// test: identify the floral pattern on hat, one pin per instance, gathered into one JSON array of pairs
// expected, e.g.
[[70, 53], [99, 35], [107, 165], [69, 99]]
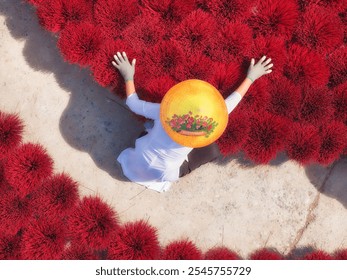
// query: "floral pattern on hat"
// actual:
[[192, 125]]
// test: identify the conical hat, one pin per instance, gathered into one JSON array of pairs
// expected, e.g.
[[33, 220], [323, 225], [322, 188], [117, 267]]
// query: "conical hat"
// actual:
[[194, 113]]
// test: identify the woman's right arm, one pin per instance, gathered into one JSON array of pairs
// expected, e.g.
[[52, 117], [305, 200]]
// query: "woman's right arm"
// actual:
[[254, 72]]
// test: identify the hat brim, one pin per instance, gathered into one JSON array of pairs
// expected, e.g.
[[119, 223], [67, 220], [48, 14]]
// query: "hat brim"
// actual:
[[193, 113]]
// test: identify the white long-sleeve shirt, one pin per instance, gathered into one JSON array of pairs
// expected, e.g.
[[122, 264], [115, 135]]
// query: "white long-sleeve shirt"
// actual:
[[156, 160]]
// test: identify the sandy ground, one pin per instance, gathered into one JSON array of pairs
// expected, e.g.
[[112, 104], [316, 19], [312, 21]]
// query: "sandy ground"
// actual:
[[229, 202]]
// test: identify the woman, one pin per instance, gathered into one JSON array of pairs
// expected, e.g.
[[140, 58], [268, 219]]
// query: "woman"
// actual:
[[157, 160]]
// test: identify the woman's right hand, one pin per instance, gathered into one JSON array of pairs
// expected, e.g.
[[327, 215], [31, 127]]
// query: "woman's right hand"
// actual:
[[261, 68]]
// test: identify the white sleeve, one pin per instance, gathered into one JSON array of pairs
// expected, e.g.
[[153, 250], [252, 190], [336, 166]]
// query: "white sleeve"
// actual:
[[147, 109], [232, 100]]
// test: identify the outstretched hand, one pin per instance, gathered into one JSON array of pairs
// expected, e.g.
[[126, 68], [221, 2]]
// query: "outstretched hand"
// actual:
[[261, 68], [122, 63]]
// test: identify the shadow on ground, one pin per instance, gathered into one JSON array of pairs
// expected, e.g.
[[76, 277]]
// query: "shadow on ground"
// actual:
[[300, 252], [335, 186], [99, 123], [95, 120]]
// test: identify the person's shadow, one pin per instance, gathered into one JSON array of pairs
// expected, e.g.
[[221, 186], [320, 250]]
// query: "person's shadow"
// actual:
[[95, 120], [98, 122]]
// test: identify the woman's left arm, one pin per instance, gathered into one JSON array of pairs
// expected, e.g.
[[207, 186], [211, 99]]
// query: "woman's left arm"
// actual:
[[147, 109], [127, 71]]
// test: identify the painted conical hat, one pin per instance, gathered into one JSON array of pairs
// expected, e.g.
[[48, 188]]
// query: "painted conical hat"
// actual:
[[194, 113]]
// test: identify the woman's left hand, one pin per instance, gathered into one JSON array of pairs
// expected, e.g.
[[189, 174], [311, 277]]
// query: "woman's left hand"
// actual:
[[122, 63]]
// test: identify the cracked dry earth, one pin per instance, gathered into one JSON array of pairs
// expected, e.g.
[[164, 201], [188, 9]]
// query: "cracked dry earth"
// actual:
[[229, 202]]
